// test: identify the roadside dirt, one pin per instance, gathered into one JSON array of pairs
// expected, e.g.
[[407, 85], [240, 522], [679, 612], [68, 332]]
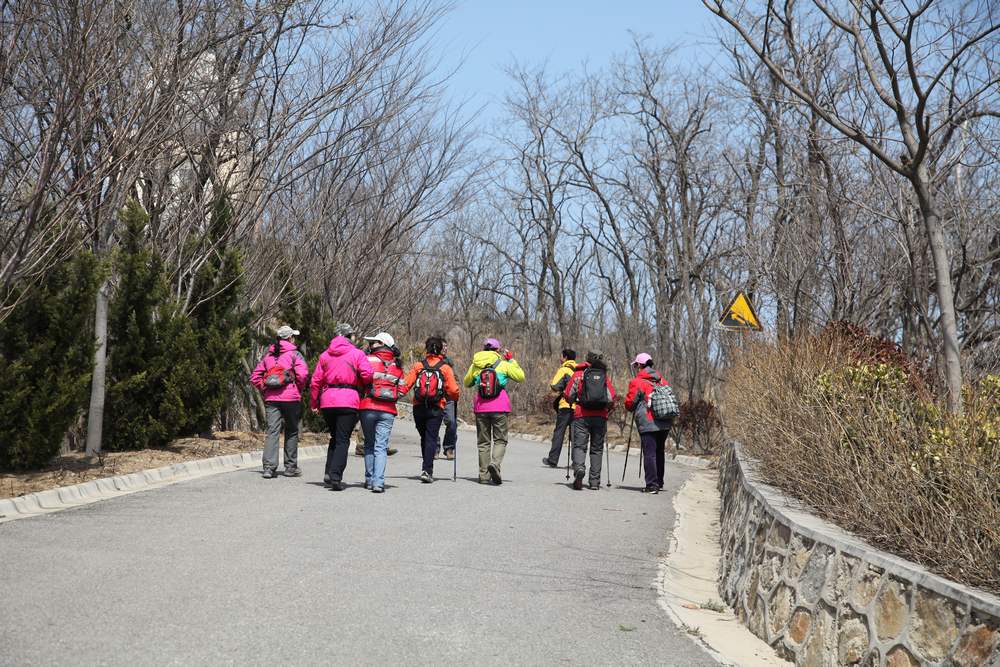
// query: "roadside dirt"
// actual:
[[75, 468]]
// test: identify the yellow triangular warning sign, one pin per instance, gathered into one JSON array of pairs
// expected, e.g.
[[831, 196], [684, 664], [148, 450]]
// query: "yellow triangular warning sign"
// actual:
[[739, 315]]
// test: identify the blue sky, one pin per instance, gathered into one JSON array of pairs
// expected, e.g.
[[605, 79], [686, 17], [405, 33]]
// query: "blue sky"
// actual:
[[493, 33]]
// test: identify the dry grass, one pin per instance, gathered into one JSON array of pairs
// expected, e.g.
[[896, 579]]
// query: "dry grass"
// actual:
[[863, 446], [76, 468]]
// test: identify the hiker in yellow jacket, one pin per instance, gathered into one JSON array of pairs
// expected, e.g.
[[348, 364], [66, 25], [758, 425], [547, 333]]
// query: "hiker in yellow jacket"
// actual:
[[491, 368], [564, 409]]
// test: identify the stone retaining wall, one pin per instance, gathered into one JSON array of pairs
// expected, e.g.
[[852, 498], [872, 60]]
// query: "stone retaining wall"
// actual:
[[820, 596]]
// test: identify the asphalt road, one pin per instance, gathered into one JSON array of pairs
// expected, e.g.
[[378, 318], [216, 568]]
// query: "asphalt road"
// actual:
[[235, 569]]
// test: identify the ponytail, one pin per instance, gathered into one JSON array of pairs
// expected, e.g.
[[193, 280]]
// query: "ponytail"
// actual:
[[276, 349]]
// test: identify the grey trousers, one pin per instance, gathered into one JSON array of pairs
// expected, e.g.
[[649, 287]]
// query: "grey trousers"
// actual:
[[282, 415], [491, 435], [594, 430]]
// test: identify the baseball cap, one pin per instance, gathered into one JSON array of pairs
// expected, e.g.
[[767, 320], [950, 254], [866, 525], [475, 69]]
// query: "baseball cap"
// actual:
[[492, 344], [343, 329], [286, 331], [382, 337], [641, 359]]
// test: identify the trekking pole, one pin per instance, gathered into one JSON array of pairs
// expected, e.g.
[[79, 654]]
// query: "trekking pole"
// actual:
[[607, 453], [569, 456], [628, 446]]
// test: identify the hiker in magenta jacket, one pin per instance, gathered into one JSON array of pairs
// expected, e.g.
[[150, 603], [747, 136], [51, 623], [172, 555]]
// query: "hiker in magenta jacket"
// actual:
[[492, 414], [282, 404], [340, 376]]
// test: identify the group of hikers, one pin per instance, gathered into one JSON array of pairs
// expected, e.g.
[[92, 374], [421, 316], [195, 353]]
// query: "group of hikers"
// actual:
[[348, 385]]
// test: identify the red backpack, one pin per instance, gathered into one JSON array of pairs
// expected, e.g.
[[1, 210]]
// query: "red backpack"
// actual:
[[277, 375], [385, 385], [429, 387], [490, 385]]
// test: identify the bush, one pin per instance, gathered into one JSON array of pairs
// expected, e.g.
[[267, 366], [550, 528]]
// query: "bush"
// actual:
[[698, 424], [46, 358], [149, 347], [858, 439]]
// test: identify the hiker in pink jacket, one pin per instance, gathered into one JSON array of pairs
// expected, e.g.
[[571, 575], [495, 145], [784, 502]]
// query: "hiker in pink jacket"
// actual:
[[280, 377], [341, 374]]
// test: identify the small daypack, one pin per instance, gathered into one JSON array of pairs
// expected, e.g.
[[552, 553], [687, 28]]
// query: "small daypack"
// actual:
[[662, 401], [593, 392], [385, 385], [429, 387], [277, 376], [490, 384]]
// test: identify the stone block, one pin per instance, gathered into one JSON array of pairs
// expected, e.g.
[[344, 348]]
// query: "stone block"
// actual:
[[818, 651], [976, 646], [798, 556], [839, 585], [892, 609], [852, 639], [900, 657], [798, 627], [779, 536], [936, 623], [867, 584], [770, 571], [813, 577], [779, 609]]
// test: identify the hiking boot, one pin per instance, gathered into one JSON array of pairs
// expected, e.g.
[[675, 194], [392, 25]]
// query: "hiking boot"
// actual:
[[270, 473], [450, 454], [391, 451], [494, 472], [326, 479], [653, 488], [548, 462], [337, 486], [378, 489], [426, 477], [578, 479], [594, 486], [292, 472]]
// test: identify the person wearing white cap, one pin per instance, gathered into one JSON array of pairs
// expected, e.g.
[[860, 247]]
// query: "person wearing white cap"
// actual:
[[280, 377], [653, 427], [378, 406]]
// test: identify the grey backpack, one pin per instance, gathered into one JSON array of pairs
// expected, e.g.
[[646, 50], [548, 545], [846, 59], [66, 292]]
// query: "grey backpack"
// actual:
[[662, 401]]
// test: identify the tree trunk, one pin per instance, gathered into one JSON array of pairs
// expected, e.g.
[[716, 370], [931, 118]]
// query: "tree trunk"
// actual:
[[95, 416], [945, 293]]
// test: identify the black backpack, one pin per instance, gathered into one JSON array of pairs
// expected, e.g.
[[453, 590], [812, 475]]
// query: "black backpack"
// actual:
[[593, 391]]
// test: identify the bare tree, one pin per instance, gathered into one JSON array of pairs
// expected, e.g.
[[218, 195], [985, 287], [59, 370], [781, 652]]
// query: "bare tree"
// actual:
[[917, 76]]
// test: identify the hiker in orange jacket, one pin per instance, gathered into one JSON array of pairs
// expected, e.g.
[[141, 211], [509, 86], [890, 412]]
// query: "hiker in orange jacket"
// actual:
[[432, 383]]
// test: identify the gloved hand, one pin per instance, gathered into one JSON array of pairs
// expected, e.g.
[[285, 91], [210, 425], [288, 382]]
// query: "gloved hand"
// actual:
[[508, 355]]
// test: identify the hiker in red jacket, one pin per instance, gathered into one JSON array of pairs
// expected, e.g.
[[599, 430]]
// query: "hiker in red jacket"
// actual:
[[340, 376], [280, 377], [378, 407], [593, 398], [652, 432]]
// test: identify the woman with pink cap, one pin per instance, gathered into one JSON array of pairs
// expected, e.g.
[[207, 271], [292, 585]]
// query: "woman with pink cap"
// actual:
[[491, 368], [652, 432]]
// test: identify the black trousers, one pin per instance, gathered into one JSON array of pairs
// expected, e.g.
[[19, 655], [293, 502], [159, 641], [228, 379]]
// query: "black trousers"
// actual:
[[563, 418], [428, 420], [340, 422]]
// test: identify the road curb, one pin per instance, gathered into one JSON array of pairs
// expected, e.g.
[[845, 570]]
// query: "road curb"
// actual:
[[85, 493]]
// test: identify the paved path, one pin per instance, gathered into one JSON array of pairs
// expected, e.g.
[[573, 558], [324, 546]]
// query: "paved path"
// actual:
[[234, 569]]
